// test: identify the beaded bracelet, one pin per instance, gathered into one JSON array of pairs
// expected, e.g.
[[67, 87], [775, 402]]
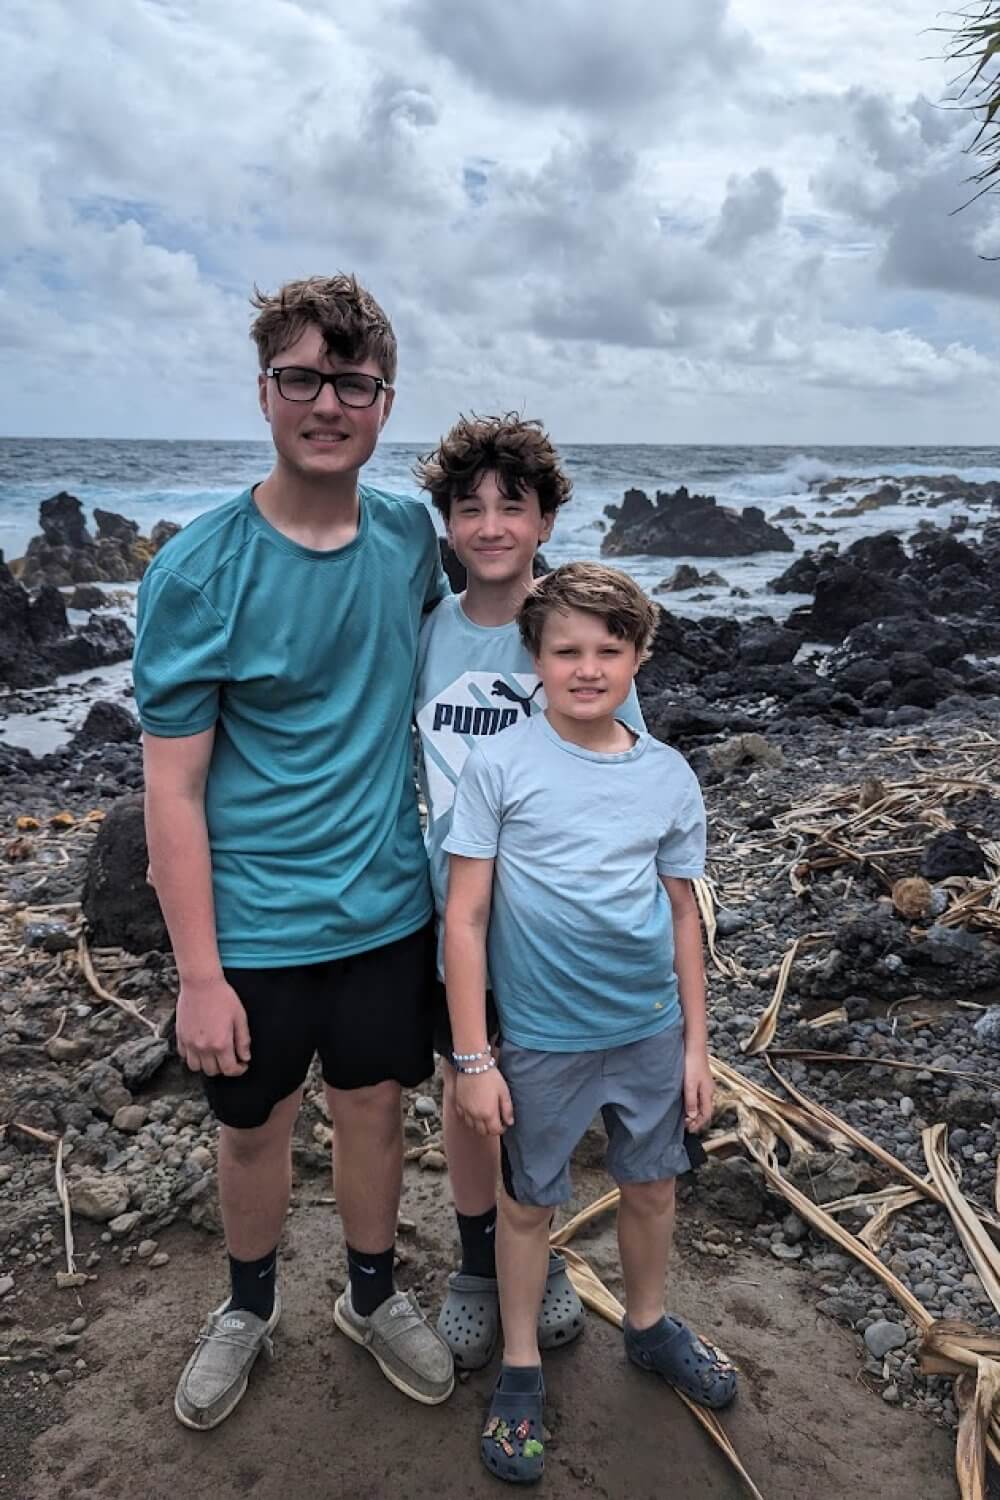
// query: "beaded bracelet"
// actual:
[[459, 1057], [464, 1068]]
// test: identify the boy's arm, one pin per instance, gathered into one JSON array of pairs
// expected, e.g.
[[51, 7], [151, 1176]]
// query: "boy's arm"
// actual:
[[483, 1098], [212, 1032], [689, 967]]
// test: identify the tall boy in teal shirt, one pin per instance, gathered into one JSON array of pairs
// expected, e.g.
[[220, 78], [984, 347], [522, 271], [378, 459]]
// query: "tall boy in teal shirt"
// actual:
[[274, 675]]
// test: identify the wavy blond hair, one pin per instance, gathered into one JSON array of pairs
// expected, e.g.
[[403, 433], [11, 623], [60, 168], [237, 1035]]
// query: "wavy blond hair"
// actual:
[[611, 595]]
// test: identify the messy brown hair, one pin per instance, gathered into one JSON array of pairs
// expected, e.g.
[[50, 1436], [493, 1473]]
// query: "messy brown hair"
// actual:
[[517, 449], [353, 325], [613, 596]]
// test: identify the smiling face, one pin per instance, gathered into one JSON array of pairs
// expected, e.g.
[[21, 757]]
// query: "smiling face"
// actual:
[[322, 438], [586, 671], [495, 535]]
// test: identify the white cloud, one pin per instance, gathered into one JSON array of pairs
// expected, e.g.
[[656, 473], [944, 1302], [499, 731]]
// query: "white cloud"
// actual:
[[706, 220]]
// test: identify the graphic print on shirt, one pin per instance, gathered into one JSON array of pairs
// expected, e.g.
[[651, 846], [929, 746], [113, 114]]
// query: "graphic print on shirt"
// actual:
[[475, 705]]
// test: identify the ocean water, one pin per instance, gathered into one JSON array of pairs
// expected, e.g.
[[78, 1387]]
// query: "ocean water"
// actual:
[[147, 481]]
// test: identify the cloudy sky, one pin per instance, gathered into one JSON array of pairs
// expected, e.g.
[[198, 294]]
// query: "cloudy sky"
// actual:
[[694, 221]]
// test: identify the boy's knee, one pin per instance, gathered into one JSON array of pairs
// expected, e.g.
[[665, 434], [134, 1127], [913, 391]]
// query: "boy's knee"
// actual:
[[649, 1198], [372, 1112], [525, 1218]]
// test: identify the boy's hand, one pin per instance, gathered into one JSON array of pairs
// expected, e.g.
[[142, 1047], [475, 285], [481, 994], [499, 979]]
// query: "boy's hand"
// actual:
[[699, 1088], [213, 1035], [483, 1101]]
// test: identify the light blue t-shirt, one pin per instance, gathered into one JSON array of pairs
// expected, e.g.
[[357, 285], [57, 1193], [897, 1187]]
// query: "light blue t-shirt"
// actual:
[[473, 681], [581, 952], [305, 663]]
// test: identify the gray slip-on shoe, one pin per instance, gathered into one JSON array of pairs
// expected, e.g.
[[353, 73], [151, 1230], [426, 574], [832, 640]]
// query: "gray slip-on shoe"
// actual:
[[215, 1377], [408, 1351]]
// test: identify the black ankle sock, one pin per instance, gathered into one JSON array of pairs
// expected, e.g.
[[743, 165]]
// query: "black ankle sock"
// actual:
[[371, 1279], [479, 1248], [253, 1284], [520, 1380]]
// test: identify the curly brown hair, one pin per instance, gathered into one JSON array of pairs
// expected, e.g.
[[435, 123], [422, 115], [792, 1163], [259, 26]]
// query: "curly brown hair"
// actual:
[[517, 449], [353, 325], [615, 597]]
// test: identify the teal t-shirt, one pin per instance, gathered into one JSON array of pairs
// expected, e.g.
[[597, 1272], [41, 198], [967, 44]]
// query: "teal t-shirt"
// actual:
[[304, 662]]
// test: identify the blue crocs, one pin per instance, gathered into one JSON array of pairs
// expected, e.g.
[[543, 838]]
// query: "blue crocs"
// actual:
[[512, 1445], [696, 1368]]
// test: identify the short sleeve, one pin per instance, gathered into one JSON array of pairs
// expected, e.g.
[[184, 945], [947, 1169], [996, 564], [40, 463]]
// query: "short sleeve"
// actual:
[[477, 812], [438, 587], [180, 660], [681, 851]]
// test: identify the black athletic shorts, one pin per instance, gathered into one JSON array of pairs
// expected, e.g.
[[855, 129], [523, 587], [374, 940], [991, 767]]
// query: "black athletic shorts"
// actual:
[[368, 1016], [443, 1044]]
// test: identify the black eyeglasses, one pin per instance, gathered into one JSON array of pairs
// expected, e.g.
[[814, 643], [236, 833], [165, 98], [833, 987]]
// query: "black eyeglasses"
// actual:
[[296, 383]]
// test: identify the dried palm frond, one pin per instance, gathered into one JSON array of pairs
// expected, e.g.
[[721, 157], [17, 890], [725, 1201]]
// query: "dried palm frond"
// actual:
[[763, 1033], [979, 1247], [705, 896]]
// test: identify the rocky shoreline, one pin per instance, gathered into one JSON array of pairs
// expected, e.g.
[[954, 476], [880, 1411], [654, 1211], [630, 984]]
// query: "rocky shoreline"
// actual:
[[854, 803]]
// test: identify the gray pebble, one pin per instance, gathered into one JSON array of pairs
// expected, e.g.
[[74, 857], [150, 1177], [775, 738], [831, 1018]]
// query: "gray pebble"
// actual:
[[883, 1336]]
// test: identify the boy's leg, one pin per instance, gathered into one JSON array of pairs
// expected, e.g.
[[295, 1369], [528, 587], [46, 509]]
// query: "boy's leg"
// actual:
[[255, 1176], [256, 1111], [643, 1115], [554, 1095], [522, 1266], [473, 1159], [368, 1177], [375, 1040], [645, 1231]]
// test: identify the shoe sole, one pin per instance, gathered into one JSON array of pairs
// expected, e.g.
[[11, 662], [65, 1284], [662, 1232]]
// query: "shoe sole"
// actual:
[[408, 1390], [237, 1398]]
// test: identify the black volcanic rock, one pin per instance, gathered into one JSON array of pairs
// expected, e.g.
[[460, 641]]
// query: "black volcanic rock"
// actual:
[[47, 616], [114, 528], [682, 524], [65, 553], [952, 853], [764, 644], [108, 723], [62, 521], [97, 644], [21, 664], [120, 907]]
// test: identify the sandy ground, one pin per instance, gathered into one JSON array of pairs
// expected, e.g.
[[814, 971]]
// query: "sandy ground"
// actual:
[[321, 1421]]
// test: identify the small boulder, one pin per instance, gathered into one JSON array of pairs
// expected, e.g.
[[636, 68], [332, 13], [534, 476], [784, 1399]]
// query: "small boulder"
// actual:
[[139, 1059], [120, 906], [88, 596], [109, 723], [161, 534], [745, 747], [952, 853], [882, 1337], [99, 1198], [115, 528]]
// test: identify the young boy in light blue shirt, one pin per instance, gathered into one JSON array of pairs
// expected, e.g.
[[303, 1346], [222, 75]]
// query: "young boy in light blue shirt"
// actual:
[[573, 842], [498, 483]]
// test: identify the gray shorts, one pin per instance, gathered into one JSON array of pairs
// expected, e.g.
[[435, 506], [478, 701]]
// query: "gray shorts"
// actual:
[[639, 1090]]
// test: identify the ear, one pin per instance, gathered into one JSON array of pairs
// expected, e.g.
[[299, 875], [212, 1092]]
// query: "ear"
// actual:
[[262, 396], [388, 397], [545, 529]]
